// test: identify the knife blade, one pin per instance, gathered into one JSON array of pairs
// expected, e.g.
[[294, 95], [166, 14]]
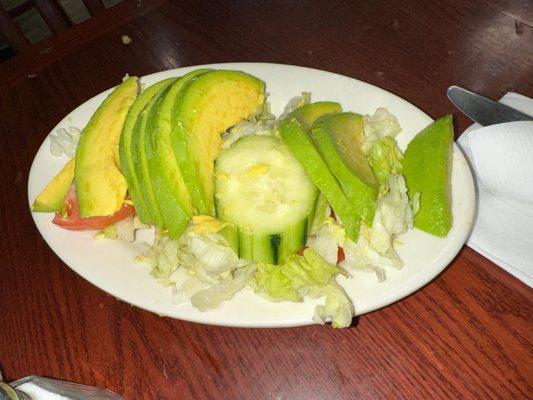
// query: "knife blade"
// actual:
[[482, 110]]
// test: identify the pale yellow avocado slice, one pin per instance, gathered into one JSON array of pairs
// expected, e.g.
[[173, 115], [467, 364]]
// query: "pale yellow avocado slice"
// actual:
[[100, 186], [52, 198]]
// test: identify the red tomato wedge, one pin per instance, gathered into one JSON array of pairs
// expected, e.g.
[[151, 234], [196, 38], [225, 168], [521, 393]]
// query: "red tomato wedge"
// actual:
[[69, 217], [340, 255]]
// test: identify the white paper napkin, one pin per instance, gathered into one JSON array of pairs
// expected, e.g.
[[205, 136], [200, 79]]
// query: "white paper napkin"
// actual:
[[501, 157]]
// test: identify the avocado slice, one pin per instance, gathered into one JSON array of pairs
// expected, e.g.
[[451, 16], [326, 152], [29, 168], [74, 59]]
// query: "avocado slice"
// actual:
[[297, 138], [142, 154], [339, 138], [52, 198], [309, 113], [171, 193], [100, 186], [427, 168], [126, 160], [204, 108]]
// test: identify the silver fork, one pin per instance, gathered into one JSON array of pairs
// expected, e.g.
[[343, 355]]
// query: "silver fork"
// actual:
[[73, 391]]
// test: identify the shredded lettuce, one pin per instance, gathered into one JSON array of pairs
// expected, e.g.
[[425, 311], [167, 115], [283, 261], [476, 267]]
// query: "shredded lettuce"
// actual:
[[212, 296], [307, 274], [211, 256], [337, 309], [294, 103], [108, 232], [395, 208], [321, 212], [293, 280], [360, 255], [272, 281], [379, 125], [263, 123], [125, 229], [385, 158], [187, 289], [65, 141], [375, 246], [164, 257], [216, 273], [327, 240]]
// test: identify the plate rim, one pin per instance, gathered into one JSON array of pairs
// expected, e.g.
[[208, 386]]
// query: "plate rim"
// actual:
[[405, 290]]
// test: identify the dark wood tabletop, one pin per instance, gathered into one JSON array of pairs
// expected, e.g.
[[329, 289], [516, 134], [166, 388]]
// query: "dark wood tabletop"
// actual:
[[466, 335]]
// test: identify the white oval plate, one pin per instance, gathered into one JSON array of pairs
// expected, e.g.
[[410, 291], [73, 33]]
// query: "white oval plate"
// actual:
[[110, 265]]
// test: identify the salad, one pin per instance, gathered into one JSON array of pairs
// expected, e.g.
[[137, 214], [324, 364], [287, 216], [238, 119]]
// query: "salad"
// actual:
[[240, 198]]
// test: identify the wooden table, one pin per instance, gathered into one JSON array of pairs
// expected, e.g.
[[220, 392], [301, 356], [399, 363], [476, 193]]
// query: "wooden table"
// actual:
[[466, 335]]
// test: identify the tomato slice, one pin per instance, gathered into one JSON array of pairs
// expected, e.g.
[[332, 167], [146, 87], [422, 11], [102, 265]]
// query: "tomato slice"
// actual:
[[340, 255], [69, 217]]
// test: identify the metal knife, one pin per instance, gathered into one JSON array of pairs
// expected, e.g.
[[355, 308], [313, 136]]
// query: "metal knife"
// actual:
[[482, 110]]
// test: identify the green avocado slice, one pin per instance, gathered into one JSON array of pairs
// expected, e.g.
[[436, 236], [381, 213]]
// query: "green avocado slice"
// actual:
[[339, 138], [207, 106], [427, 165], [126, 160], [171, 193], [140, 151], [297, 138], [309, 113]]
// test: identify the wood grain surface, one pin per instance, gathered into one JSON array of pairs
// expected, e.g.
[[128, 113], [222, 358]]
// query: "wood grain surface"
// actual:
[[466, 335]]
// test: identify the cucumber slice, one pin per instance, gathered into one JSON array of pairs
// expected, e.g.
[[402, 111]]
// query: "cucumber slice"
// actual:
[[262, 189], [270, 248]]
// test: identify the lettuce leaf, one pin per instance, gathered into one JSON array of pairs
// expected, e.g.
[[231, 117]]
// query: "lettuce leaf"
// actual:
[[337, 309], [307, 274], [375, 246], [272, 281], [322, 211], [395, 207], [360, 255], [212, 296], [381, 124], [294, 103], [327, 240], [216, 273], [264, 123], [385, 158]]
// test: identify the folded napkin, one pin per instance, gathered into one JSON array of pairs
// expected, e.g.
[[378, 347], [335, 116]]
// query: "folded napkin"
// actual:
[[501, 157]]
